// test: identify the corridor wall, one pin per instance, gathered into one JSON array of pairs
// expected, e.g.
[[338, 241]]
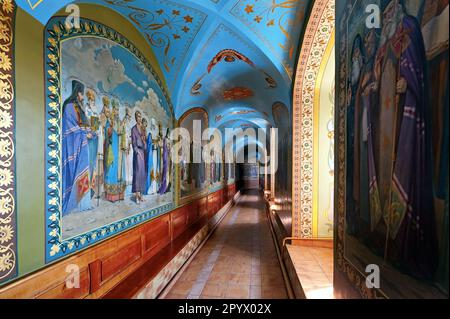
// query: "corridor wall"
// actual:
[[313, 128], [283, 173], [392, 149], [104, 217]]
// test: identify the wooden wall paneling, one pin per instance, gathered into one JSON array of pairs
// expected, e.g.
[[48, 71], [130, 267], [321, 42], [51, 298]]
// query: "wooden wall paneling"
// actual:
[[104, 266], [203, 206], [179, 219], [115, 263], [193, 212], [210, 206], [95, 272], [63, 291]]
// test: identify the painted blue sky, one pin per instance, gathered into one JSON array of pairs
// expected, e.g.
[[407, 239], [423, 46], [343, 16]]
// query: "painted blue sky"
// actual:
[[109, 69]]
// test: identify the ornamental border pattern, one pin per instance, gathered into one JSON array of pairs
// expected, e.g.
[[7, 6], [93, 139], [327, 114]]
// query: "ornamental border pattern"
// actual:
[[8, 226], [55, 246], [317, 35]]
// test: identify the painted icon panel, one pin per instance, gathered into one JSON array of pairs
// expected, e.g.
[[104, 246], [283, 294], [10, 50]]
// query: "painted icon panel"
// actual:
[[396, 143]]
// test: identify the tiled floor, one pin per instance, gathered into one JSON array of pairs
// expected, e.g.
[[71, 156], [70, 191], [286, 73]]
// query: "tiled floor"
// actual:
[[238, 261], [314, 267]]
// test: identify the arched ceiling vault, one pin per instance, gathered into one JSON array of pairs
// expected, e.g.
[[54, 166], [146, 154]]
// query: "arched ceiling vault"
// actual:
[[221, 55]]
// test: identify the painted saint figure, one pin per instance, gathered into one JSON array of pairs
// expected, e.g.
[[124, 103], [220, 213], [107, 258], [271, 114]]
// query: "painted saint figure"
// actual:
[[165, 165], [103, 118], [154, 152], [402, 148], [93, 121], [127, 149], [113, 185], [357, 62], [75, 153], [150, 184], [139, 148], [365, 187], [159, 155]]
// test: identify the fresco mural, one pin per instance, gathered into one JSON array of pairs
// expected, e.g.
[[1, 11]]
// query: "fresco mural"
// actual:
[[194, 177], [276, 22], [169, 27], [175, 30], [394, 101], [112, 135], [229, 73], [231, 56]]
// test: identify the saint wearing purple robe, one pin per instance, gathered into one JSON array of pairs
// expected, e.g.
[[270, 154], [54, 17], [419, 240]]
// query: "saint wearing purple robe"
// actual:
[[165, 165], [139, 149], [402, 149]]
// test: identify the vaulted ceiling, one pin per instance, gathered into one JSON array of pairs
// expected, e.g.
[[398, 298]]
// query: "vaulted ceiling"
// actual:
[[234, 58]]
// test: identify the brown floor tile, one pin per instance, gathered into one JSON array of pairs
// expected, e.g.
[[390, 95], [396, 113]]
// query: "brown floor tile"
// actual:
[[175, 296], [255, 292], [241, 279], [238, 291], [218, 277], [215, 290], [182, 287]]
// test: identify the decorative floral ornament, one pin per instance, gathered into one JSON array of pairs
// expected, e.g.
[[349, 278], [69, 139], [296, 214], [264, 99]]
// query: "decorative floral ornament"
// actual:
[[4, 32], [5, 205], [6, 261], [6, 177], [5, 148], [5, 90], [5, 62], [54, 250], [7, 6]]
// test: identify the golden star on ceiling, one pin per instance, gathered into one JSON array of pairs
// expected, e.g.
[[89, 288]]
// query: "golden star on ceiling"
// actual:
[[249, 8]]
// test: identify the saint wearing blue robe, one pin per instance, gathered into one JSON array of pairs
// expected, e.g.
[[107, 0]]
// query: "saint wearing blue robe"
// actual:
[[113, 187]]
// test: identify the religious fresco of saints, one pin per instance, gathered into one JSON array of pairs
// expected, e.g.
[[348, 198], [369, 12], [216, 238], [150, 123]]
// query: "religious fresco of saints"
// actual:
[[390, 192], [112, 170]]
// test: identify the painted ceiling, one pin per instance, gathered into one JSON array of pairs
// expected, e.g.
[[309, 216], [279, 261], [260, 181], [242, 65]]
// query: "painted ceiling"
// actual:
[[234, 58]]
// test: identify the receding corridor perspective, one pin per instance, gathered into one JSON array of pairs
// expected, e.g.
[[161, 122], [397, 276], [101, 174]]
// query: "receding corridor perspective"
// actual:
[[238, 261]]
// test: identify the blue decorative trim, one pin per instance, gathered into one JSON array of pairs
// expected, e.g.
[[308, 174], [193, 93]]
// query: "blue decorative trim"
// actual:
[[55, 246], [215, 188]]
